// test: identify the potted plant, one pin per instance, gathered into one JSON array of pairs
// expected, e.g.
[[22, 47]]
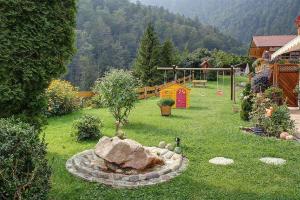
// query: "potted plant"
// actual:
[[297, 91], [165, 106]]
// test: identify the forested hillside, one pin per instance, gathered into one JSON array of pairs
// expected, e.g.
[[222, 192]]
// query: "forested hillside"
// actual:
[[109, 32], [239, 18]]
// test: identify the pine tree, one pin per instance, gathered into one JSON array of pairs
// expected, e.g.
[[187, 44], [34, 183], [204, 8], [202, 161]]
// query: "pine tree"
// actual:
[[148, 58], [167, 54]]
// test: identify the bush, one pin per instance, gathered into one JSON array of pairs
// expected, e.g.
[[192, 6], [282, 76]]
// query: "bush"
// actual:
[[24, 172], [258, 114], [118, 89], [278, 121], [62, 98], [260, 82], [247, 103], [37, 41], [166, 102], [275, 94], [212, 76], [246, 107], [247, 91], [97, 101], [87, 127]]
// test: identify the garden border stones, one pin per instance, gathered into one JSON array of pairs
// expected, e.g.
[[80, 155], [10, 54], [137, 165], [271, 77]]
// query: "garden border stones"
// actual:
[[84, 165]]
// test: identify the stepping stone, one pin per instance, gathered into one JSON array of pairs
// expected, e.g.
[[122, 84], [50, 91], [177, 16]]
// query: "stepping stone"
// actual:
[[273, 161], [221, 161]]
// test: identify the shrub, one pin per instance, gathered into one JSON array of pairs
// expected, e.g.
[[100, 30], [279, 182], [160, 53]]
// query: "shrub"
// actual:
[[260, 82], [62, 98], [37, 41], [118, 89], [246, 107], [247, 90], [275, 94], [24, 172], [277, 122], [97, 101], [166, 102], [87, 127], [297, 89], [247, 103], [258, 114]]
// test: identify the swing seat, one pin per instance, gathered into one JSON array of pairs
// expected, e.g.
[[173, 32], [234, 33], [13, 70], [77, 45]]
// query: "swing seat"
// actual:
[[220, 93]]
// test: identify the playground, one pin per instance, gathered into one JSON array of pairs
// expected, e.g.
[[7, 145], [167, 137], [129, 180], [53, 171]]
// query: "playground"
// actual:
[[207, 129]]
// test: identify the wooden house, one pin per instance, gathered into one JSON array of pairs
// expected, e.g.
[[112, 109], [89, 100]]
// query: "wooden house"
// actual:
[[179, 93], [281, 55]]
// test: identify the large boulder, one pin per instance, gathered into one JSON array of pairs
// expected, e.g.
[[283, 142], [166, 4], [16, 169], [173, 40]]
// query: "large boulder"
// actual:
[[126, 153]]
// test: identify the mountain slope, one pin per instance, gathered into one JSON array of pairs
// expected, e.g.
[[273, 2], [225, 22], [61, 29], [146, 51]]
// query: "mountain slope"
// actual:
[[109, 31], [239, 18]]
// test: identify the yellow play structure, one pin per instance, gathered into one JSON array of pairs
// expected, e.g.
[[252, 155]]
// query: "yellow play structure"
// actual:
[[179, 93]]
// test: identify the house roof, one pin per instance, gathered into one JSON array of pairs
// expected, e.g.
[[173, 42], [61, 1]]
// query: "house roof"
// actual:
[[272, 40], [174, 83]]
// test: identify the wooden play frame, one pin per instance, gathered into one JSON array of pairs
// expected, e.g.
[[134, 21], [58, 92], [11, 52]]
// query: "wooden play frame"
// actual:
[[231, 69]]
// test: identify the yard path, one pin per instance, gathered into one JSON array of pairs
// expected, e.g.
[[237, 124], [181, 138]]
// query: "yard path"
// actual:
[[295, 115]]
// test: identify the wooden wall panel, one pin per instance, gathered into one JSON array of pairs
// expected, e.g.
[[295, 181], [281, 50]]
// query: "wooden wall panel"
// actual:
[[288, 81]]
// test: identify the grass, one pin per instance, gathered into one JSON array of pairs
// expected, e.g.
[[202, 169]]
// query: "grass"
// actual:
[[208, 129]]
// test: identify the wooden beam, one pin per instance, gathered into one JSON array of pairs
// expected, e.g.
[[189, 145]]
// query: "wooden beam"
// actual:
[[231, 82], [199, 69]]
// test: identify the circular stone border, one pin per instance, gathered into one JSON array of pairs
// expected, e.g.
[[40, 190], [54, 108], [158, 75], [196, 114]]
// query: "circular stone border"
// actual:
[[82, 165]]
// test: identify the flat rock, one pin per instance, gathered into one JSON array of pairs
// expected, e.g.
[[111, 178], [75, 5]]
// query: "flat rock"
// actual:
[[221, 161], [273, 161], [126, 153]]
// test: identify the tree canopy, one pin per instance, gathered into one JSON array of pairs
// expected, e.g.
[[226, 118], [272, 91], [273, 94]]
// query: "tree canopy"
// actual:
[[109, 33], [36, 44], [238, 18]]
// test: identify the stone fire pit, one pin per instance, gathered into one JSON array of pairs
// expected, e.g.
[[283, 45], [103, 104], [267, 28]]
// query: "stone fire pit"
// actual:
[[126, 164]]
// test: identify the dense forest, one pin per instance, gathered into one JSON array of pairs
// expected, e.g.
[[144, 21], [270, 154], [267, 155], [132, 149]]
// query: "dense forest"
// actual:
[[109, 34], [239, 18]]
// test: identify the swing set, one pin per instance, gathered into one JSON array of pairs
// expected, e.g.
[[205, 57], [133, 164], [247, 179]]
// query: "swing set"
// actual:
[[220, 89]]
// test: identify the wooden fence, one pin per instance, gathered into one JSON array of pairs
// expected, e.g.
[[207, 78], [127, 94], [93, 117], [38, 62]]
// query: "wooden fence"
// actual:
[[143, 93]]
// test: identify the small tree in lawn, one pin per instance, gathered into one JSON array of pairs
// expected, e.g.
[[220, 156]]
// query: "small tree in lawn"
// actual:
[[118, 89]]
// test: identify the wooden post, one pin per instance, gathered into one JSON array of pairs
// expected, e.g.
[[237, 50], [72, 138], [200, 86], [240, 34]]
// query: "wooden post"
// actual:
[[145, 92], [231, 82], [184, 77], [193, 75], [234, 95], [175, 73]]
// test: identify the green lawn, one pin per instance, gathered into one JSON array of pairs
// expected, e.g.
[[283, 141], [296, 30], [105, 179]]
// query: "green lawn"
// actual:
[[208, 129]]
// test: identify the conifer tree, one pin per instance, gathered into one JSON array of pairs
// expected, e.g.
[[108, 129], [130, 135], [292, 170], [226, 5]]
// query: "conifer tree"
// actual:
[[167, 54], [148, 58]]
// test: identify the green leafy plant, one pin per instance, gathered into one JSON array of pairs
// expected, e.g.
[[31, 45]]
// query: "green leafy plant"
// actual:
[[87, 127], [247, 102], [273, 119], [297, 89], [246, 107], [24, 172], [279, 122], [275, 94], [166, 102], [62, 98], [258, 113], [118, 89], [33, 52]]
